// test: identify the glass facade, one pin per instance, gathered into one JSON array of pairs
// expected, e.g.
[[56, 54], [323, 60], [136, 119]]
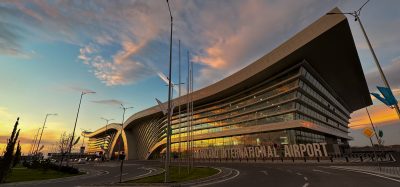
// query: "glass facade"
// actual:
[[297, 94]]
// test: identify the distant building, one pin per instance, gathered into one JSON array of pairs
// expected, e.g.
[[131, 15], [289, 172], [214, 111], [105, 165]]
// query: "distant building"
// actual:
[[300, 93]]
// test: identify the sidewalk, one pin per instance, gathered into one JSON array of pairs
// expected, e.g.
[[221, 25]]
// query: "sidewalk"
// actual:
[[388, 171]]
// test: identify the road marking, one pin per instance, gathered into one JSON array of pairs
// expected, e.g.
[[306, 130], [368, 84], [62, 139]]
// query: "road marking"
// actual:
[[316, 170], [298, 173], [306, 184], [373, 174], [219, 181], [305, 178], [265, 172]]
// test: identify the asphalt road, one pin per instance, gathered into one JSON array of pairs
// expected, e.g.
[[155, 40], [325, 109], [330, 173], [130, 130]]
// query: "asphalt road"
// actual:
[[251, 174], [299, 175], [101, 174]]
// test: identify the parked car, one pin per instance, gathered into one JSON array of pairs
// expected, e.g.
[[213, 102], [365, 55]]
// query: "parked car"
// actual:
[[81, 161]]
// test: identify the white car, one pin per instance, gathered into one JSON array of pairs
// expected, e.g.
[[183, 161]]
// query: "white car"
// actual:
[[81, 161]]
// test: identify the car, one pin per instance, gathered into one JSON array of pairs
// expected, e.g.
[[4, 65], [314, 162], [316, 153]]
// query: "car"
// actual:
[[81, 161]]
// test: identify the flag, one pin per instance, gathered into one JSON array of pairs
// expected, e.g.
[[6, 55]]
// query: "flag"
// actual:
[[387, 93], [388, 97]]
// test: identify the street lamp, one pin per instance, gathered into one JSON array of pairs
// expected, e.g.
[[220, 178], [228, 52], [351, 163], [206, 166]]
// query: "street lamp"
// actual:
[[356, 15], [166, 176], [44, 124], [105, 133], [76, 120], [119, 143], [122, 126], [32, 150]]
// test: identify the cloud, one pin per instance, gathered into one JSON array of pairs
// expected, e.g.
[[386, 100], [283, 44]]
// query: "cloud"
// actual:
[[391, 71], [222, 36], [109, 102]]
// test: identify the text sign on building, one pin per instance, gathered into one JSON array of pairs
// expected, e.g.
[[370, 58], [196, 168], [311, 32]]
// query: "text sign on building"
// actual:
[[294, 150], [368, 132]]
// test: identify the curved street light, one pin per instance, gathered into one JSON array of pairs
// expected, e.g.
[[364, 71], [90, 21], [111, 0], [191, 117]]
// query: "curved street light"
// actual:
[[76, 120], [41, 134]]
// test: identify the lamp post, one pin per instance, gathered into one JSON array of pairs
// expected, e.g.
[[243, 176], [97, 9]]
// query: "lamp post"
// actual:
[[105, 133], [122, 126], [119, 143], [356, 15], [31, 151], [44, 124], [168, 150], [76, 120]]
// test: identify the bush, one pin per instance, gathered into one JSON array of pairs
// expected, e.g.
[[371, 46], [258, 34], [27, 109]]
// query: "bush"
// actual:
[[46, 165]]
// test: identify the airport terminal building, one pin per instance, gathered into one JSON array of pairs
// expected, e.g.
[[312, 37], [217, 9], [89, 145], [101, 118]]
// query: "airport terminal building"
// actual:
[[301, 93]]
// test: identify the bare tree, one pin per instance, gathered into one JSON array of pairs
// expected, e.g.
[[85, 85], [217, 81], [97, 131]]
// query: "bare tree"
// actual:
[[62, 145]]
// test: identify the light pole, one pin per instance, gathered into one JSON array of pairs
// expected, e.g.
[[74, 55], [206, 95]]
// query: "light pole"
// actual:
[[105, 133], [168, 150], [76, 120], [44, 124], [356, 15], [119, 143], [31, 151], [122, 126]]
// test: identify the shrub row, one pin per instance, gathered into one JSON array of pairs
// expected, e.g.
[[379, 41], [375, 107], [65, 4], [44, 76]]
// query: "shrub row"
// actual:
[[46, 164]]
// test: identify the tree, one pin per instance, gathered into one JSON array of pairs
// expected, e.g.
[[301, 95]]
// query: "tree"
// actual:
[[6, 162], [17, 156], [62, 144]]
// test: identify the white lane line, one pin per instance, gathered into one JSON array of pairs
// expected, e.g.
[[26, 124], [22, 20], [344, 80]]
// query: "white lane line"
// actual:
[[219, 181], [306, 184], [317, 170], [265, 172], [298, 174], [373, 174]]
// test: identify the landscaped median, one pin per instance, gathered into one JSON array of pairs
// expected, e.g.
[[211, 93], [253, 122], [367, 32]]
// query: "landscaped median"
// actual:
[[40, 171], [179, 177]]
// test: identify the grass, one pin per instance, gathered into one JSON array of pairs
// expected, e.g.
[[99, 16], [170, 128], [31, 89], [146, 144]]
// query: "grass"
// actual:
[[19, 174], [196, 173]]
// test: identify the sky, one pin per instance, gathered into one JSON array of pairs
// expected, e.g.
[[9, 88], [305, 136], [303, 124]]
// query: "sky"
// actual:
[[52, 50]]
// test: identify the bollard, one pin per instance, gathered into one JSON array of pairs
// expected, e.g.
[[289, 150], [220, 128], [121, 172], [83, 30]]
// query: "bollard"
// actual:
[[317, 158], [293, 159], [331, 158], [305, 160], [361, 159], [347, 159], [282, 159], [272, 158]]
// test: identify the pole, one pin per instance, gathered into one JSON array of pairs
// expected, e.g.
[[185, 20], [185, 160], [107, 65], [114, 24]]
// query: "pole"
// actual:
[[166, 176], [191, 116], [373, 148], [120, 157], [188, 114], [73, 132], [40, 139], [373, 126], [396, 106], [34, 142], [179, 112]]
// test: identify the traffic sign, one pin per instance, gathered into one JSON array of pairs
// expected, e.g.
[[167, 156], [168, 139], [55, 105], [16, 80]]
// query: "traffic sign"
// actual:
[[380, 133], [368, 132]]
